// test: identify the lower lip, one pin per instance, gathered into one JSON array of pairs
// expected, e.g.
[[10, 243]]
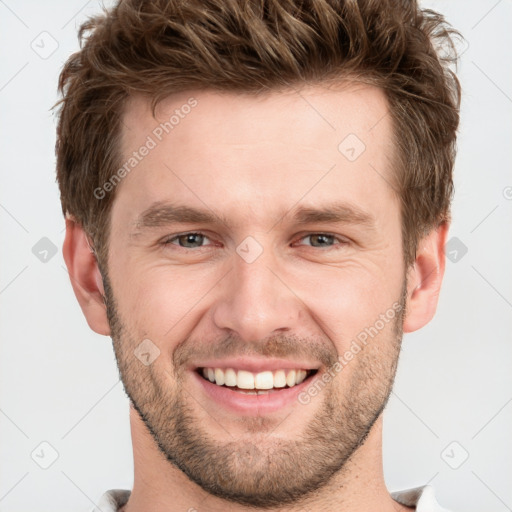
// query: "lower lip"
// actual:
[[253, 405]]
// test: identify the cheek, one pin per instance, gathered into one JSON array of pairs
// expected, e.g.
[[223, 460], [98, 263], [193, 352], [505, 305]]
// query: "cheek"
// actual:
[[161, 302], [345, 301]]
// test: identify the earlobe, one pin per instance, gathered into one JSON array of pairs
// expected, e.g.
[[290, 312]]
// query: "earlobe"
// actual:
[[85, 276], [424, 279]]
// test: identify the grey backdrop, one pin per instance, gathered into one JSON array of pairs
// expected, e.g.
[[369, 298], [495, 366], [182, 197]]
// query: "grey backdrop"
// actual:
[[450, 416]]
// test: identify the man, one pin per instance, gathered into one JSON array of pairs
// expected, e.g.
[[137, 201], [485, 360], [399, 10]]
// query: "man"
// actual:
[[257, 198]]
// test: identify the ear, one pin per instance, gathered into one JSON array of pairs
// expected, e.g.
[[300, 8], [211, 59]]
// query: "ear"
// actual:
[[424, 279], [85, 277]]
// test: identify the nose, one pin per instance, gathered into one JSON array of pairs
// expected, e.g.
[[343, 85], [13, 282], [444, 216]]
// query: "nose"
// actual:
[[255, 300]]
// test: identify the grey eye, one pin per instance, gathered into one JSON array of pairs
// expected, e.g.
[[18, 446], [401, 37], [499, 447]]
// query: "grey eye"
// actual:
[[321, 239], [188, 240]]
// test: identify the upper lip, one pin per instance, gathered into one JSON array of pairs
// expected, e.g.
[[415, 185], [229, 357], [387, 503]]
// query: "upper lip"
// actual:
[[257, 365]]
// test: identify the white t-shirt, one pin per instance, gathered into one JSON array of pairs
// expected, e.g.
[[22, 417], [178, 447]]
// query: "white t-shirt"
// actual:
[[423, 498]]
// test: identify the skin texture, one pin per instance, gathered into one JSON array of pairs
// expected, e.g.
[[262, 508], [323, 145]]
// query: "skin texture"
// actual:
[[252, 161]]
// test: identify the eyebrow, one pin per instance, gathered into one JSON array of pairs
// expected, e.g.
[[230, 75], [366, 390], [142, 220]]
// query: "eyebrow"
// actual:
[[163, 213]]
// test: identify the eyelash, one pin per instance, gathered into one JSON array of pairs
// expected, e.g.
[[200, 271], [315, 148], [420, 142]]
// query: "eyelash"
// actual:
[[169, 240]]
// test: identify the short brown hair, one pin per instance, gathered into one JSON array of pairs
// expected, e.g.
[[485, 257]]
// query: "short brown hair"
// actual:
[[160, 47]]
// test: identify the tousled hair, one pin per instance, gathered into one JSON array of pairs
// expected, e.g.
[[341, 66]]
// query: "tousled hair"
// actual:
[[160, 47]]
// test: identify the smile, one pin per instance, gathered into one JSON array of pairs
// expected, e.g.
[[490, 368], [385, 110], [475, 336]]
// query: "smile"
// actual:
[[255, 383], [252, 386]]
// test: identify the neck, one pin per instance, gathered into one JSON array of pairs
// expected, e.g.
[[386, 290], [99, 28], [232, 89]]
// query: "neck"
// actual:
[[161, 487]]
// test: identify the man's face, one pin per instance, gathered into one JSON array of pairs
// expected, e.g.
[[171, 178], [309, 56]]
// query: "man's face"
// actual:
[[261, 287]]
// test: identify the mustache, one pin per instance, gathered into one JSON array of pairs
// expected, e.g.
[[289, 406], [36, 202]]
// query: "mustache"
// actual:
[[279, 346]]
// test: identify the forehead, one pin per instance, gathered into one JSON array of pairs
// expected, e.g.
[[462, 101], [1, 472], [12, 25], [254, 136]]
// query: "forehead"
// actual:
[[236, 117], [239, 152]]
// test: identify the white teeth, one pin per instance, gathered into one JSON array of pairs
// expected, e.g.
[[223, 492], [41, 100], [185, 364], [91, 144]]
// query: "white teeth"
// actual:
[[279, 379], [301, 375], [219, 377], [264, 380], [230, 377], [290, 378], [261, 381], [245, 380]]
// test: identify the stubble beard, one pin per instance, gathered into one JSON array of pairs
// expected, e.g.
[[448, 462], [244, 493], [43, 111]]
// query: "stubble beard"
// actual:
[[261, 469]]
